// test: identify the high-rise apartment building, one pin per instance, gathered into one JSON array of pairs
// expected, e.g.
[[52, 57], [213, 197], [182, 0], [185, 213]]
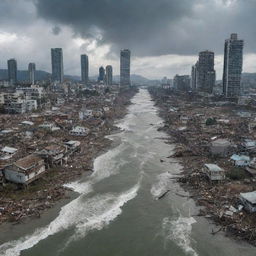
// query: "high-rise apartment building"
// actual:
[[194, 77], [206, 73], [125, 62], [12, 71], [57, 65], [84, 69], [233, 65], [109, 75], [181, 83], [31, 72], [101, 77]]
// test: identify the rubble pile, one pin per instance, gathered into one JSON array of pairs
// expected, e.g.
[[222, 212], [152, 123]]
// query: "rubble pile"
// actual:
[[210, 131], [67, 155]]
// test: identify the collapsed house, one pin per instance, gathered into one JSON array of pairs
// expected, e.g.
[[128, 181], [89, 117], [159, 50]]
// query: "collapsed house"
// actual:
[[53, 155], [249, 201], [221, 147], [214, 172], [7, 153], [240, 160], [79, 131], [25, 170]]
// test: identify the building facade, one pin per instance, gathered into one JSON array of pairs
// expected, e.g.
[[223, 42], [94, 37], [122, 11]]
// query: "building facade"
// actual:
[[109, 75], [233, 65], [31, 72], [84, 69], [194, 77], [12, 71], [206, 73], [101, 77], [57, 65], [125, 63], [181, 83]]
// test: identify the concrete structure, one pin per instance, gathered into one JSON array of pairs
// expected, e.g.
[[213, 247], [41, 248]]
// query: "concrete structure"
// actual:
[[214, 172], [181, 83], [206, 73], [194, 77], [233, 64], [109, 75], [220, 147], [25, 170], [79, 131], [101, 77], [31, 72], [84, 69], [12, 71], [125, 63], [249, 201], [57, 65]]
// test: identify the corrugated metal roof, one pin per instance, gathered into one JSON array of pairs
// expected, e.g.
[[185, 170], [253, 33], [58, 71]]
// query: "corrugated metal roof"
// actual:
[[213, 167], [9, 150], [250, 197]]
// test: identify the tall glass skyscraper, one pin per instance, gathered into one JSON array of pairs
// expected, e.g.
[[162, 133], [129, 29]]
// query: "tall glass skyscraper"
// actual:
[[233, 65], [57, 65], [84, 69], [12, 71], [101, 74], [31, 72], [125, 56]]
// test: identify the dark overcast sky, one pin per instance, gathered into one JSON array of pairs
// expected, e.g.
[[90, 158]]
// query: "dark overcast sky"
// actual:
[[164, 35]]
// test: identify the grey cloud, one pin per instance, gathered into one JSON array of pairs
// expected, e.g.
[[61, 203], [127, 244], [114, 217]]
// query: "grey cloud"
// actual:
[[155, 27], [56, 30]]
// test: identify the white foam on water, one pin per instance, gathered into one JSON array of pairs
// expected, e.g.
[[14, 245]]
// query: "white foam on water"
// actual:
[[179, 231], [83, 214], [162, 184], [102, 210]]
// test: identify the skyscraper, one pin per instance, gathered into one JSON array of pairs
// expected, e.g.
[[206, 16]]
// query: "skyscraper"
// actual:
[[57, 65], [125, 57], [31, 72], [12, 71], [109, 75], [206, 72], [233, 65], [84, 68], [194, 77], [101, 74]]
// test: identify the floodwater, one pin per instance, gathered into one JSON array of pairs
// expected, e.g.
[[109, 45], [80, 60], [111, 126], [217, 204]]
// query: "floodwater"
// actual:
[[116, 212]]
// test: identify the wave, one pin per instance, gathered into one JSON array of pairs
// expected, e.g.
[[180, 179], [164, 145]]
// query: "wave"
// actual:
[[161, 185], [179, 231], [84, 215]]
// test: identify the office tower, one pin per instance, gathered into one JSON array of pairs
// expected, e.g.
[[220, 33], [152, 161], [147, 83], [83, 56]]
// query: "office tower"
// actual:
[[84, 69], [31, 72], [125, 57], [233, 65], [101, 74], [181, 83], [12, 71], [194, 77], [109, 75], [206, 72], [57, 65]]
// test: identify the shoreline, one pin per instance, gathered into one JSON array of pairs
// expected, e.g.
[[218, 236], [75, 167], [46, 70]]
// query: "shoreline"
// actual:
[[214, 200], [20, 206]]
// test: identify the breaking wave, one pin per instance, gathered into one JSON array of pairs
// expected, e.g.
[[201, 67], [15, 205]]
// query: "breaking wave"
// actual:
[[161, 185], [179, 231], [84, 215]]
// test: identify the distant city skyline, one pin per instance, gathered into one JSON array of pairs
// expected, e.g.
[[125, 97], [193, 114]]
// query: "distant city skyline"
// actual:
[[165, 45]]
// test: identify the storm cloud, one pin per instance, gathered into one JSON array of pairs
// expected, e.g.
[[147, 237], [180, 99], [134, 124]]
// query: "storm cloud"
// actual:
[[164, 36], [156, 27]]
